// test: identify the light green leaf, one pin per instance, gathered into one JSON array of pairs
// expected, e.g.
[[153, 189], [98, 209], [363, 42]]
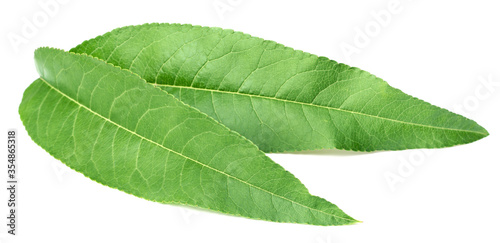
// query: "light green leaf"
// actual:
[[116, 129], [280, 98]]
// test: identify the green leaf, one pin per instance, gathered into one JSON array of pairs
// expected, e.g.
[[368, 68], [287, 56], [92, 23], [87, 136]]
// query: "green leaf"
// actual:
[[280, 98], [116, 129]]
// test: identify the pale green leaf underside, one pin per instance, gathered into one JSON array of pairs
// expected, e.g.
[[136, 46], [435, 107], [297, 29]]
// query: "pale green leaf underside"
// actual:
[[116, 129], [280, 98]]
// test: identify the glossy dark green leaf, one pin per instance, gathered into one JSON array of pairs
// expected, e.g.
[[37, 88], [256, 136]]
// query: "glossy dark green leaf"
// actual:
[[281, 99]]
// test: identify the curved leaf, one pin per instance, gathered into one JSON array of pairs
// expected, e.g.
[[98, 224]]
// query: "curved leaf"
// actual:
[[116, 129], [280, 98]]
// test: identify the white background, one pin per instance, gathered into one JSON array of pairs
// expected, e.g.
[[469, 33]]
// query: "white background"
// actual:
[[438, 51]]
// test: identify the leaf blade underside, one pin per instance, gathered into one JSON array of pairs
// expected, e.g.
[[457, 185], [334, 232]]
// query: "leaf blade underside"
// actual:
[[108, 124], [279, 98]]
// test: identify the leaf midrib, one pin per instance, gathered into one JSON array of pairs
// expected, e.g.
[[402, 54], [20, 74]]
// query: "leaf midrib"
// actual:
[[175, 152], [320, 106]]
